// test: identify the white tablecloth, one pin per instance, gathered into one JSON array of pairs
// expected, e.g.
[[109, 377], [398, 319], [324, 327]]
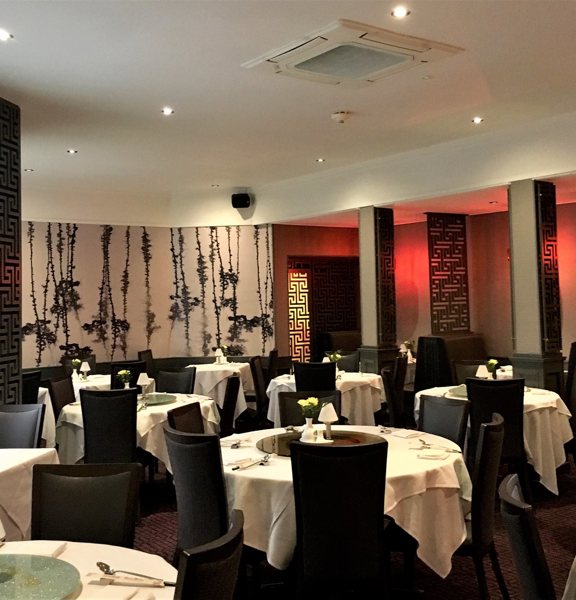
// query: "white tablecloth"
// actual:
[[570, 589], [16, 487], [149, 424], [546, 430], [49, 426], [211, 381], [428, 498], [362, 396], [84, 558], [100, 382]]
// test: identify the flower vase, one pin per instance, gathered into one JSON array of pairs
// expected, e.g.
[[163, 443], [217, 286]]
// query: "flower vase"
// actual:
[[126, 385], [308, 433]]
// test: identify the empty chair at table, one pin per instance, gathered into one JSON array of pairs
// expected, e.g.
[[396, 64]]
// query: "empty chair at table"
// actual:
[[349, 362], [291, 411], [67, 363], [432, 367], [176, 382], [229, 406], [315, 376], [271, 366], [393, 381], [61, 393], [30, 386], [85, 503], [466, 368], [187, 418], [446, 417], [253, 419], [210, 570], [148, 358], [136, 367], [21, 425]]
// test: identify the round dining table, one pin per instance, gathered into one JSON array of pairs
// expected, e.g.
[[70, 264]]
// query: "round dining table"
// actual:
[[428, 492]]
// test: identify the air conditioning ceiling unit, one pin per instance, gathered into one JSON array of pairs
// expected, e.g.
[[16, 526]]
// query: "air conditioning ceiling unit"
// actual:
[[352, 54]]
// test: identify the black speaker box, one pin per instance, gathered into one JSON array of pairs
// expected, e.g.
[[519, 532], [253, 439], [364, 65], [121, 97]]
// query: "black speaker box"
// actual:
[[241, 200]]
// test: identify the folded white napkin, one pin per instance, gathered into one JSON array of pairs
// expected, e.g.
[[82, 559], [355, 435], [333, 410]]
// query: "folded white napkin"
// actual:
[[2, 532], [95, 590], [406, 433], [41, 548]]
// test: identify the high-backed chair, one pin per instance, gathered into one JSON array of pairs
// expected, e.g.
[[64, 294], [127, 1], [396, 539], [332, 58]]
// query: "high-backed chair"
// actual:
[[196, 464], [569, 395], [85, 503], [335, 553], [393, 381], [187, 418], [61, 393], [432, 367], [253, 419], [480, 539], [21, 425], [30, 386], [291, 412], [349, 362], [465, 368], [229, 406], [447, 417], [148, 358], [315, 376], [271, 369], [527, 552], [180, 382], [135, 367], [210, 571]]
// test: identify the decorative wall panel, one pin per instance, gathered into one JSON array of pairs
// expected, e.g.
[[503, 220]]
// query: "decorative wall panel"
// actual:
[[10, 350], [385, 282], [449, 292], [299, 314], [551, 325]]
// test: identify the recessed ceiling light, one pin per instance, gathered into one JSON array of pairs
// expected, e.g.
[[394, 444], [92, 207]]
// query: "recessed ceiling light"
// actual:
[[28, 170], [477, 120], [5, 35], [215, 185], [400, 12], [72, 151], [167, 111], [319, 160]]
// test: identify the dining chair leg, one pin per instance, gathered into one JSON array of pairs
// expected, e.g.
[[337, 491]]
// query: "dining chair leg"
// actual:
[[498, 572], [481, 576]]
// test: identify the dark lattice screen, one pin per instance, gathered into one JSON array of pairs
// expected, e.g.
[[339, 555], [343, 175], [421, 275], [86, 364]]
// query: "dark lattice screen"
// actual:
[[447, 255], [10, 352], [551, 325], [386, 280]]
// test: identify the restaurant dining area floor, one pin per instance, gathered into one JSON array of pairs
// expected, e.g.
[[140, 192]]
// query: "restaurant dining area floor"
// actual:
[[555, 517]]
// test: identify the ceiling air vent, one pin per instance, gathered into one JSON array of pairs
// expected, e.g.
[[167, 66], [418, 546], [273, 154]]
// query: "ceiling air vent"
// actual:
[[350, 53]]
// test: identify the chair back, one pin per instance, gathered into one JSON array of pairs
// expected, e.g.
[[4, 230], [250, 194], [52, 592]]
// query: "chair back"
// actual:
[[393, 381], [85, 503], [30, 386], [109, 418], [211, 570], [148, 358], [291, 412], [334, 552], [180, 382], [21, 425], [229, 406], [259, 380], [465, 368], [271, 369], [432, 367], [134, 366], [447, 417], [196, 463], [349, 362], [527, 552], [315, 376], [61, 393], [187, 418]]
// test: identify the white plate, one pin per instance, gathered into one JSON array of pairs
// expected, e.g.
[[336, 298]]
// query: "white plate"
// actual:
[[159, 398], [433, 454]]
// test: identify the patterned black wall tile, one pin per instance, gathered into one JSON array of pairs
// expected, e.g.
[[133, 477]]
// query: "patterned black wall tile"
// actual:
[[385, 282]]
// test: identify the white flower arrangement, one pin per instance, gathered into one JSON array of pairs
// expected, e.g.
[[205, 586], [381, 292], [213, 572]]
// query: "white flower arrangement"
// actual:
[[309, 407], [124, 375]]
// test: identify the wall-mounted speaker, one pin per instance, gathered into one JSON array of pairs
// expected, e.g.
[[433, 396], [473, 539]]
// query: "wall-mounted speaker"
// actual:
[[241, 200]]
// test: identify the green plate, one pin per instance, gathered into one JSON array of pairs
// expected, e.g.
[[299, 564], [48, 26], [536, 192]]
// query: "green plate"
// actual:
[[31, 577], [160, 398]]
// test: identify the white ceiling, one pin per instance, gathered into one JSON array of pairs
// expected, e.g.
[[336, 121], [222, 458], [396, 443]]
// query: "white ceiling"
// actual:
[[94, 75]]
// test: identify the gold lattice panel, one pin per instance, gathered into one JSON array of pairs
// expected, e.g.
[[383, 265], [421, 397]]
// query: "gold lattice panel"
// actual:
[[299, 314]]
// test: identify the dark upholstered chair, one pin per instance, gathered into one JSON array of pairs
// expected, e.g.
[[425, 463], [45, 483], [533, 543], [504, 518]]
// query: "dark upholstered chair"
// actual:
[[21, 425], [349, 362], [181, 382], [432, 367], [447, 417], [465, 368], [61, 393], [196, 464], [187, 418], [254, 419], [291, 412], [393, 381], [135, 367], [210, 571], [271, 367], [30, 386], [229, 406], [527, 552], [335, 553], [109, 425], [315, 376], [480, 538], [148, 358], [85, 503]]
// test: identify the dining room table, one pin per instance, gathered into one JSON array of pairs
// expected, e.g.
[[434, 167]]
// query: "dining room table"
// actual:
[[428, 490], [152, 413], [362, 396], [101, 382], [16, 487], [60, 570], [546, 428]]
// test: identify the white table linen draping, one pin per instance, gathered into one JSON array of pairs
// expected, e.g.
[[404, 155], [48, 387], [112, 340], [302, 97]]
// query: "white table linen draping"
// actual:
[[546, 430], [49, 426], [84, 556], [362, 396], [427, 498], [16, 487], [149, 425], [570, 588], [101, 383], [211, 381]]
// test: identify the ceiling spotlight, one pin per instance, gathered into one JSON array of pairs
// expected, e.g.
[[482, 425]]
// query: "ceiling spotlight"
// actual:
[[28, 170], [400, 12], [477, 120], [319, 160], [215, 185], [167, 111], [340, 116], [5, 35], [72, 151]]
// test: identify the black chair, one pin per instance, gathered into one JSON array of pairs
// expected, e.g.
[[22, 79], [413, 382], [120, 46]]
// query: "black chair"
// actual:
[[335, 553], [393, 381], [527, 552], [181, 382], [254, 419], [196, 463], [148, 358], [136, 367], [187, 418], [447, 417], [85, 503], [480, 538], [432, 367], [315, 376], [109, 418], [271, 367], [21, 425], [61, 393], [349, 362], [465, 368], [210, 571], [30, 386], [229, 406], [569, 396], [291, 412]]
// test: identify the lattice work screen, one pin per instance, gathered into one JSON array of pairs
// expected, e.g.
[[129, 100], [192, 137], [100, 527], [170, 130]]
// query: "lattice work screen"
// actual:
[[299, 314], [551, 324], [386, 281], [447, 255], [10, 350]]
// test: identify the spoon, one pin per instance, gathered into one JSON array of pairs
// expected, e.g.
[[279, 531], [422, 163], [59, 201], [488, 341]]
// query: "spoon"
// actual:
[[108, 570]]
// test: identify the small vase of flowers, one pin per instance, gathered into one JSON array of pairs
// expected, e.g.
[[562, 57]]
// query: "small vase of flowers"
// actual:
[[492, 365], [124, 376], [310, 409]]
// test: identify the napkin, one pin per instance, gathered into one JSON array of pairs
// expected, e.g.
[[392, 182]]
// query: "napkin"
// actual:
[[433, 454], [95, 590], [41, 548], [406, 433]]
